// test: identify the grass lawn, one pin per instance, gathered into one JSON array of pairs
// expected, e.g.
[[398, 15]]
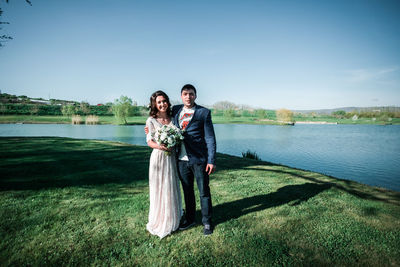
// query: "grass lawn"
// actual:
[[85, 202], [65, 120]]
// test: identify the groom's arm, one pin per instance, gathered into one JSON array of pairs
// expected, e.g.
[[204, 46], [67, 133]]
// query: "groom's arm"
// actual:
[[209, 136]]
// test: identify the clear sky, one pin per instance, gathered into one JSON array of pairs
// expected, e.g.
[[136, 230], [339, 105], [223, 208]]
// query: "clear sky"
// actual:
[[268, 54]]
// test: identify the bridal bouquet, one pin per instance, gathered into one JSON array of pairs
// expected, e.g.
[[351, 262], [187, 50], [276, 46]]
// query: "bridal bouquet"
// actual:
[[169, 136]]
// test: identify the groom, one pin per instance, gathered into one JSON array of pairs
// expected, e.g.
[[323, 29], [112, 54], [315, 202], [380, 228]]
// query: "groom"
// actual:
[[196, 156]]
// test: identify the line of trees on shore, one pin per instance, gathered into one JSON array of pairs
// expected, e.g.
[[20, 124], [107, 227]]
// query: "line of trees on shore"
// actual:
[[125, 107], [381, 113], [231, 110], [121, 108], [23, 105]]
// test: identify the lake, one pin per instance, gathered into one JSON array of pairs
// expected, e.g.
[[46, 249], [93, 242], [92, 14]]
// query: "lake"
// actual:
[[368, 154]]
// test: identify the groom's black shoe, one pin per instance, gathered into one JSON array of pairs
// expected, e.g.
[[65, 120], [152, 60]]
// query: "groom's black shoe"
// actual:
[[186, 225], [208, 229]]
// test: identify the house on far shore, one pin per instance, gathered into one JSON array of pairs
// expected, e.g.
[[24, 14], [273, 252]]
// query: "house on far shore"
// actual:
[[43, 102]]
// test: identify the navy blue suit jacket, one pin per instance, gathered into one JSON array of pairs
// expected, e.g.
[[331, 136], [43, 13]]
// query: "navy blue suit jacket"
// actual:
[[199, 136]]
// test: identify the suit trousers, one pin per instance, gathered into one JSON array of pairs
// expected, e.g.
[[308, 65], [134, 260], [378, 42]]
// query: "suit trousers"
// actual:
[[187, 173]]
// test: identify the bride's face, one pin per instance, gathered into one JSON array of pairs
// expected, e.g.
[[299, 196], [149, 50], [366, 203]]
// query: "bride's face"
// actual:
[[161, 103]]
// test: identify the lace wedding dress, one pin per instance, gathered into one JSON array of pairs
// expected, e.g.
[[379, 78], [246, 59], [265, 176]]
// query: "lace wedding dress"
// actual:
[[165, 196]]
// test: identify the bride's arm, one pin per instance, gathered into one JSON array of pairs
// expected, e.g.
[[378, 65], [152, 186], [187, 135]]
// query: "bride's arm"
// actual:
[[154, 145], [149, 138]]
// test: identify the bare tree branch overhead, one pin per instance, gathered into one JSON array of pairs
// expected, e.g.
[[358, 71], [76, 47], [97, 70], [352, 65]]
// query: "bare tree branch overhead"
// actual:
[[28, 1], [4, 37]]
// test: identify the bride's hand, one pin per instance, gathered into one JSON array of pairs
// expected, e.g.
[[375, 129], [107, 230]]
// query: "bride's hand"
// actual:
[[163, 147]]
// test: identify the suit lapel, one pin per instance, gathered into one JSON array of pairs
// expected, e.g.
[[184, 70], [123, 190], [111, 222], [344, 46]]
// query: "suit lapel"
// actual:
[[176, 118]]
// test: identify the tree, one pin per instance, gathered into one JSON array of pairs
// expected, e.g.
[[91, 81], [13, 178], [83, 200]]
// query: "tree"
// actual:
[[84, 107], [261, 113], [122, 108], [284, 115], [339, 114], [135, 109], [23, 99], [68, 110], [34, 109], [246, 113], [3, 108], [223, 105], [229, 113]]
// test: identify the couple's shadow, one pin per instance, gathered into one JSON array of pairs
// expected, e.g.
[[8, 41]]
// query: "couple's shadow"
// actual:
[[293, 194]]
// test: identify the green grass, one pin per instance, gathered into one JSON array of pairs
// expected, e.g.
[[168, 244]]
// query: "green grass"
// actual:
[[85, 202], [65, 120]]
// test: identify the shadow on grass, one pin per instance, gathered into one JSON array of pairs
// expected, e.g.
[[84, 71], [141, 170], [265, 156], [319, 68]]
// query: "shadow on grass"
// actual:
[[351, 187], [53, 162], [225, 162], [284, 195], [49, 162]]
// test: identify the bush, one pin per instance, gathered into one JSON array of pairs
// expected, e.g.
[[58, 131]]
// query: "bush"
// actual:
[[284, 115], [247, 113], [103, 110], [217, 112], [229, 113], [92, 120], [250, 155], [30, 109], [49, 110], [76, 119], [68, 110], [84, 107], [339, 114], [261, 113]]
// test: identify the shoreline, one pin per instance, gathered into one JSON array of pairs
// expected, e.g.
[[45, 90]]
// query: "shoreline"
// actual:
[[109, 120], [315, 122], [223, 153], [241, 123]]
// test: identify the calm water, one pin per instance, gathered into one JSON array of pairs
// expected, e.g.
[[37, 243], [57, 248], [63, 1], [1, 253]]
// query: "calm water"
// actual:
[[365, 153]]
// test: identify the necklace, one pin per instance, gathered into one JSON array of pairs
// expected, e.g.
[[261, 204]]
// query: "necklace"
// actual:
[[163, 120]]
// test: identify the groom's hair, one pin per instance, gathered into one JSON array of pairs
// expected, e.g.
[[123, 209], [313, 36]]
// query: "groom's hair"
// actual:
[[189, 87]]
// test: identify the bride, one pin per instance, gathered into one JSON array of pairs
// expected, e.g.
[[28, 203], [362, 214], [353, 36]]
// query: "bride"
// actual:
[[165, 198]]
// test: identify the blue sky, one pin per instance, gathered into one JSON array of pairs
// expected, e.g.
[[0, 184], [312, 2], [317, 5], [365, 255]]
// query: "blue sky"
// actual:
[[268, 54]]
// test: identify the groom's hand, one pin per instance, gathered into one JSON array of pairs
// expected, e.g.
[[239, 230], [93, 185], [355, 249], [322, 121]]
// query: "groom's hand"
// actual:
[[210, 168], [146, 130]]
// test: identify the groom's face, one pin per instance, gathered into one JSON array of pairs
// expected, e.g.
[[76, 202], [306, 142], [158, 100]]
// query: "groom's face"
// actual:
[[188, 98]]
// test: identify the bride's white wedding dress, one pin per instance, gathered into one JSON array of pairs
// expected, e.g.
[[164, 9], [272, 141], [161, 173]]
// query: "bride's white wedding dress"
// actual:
[[165, 196]]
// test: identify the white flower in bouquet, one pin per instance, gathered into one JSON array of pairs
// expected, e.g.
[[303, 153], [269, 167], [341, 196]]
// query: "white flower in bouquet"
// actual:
[[169, 136], [163, 136], [171, 141]]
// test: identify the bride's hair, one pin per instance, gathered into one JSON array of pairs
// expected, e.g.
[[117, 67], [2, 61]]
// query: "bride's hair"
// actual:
[[153, 104]]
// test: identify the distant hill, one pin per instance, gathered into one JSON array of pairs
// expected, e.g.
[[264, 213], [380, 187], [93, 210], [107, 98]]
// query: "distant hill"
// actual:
[[22, 99], [350, 109], [13, 99]]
